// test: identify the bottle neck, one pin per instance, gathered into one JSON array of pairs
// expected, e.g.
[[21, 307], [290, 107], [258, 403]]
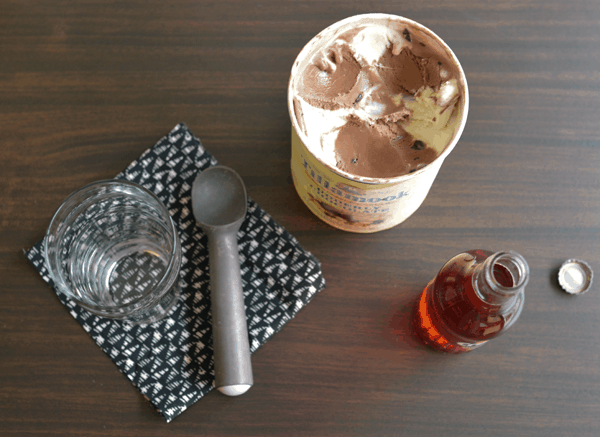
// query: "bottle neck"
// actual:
[[501, 277]]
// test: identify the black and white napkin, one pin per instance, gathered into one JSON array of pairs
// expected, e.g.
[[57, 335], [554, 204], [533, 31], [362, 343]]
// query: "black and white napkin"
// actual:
[[171, 361]]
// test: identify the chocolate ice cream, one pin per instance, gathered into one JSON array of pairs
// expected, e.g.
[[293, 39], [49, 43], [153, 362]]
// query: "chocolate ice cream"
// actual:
[[379, 101]]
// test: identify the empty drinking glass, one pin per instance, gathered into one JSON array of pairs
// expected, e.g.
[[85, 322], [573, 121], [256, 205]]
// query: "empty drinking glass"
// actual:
[[113, 248]]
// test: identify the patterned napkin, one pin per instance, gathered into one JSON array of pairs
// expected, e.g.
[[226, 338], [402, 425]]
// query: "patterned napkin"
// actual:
[[171, 361]]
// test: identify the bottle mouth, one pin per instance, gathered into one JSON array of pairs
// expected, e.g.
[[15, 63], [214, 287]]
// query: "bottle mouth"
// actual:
[[507, 272]]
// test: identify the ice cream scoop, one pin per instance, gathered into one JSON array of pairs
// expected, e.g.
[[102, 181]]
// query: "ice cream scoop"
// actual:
[[219, 204]]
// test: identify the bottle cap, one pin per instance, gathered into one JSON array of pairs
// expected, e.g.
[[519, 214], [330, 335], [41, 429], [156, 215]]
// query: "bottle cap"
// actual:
[[575, 276]]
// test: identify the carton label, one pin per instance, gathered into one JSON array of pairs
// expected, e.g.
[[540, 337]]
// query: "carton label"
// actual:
[[353, 205]]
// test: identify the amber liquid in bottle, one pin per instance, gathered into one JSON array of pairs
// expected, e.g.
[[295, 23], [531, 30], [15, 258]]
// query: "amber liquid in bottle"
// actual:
[[476, 296]]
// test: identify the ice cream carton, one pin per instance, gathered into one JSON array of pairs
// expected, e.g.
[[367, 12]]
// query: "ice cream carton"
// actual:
[[363, 202]]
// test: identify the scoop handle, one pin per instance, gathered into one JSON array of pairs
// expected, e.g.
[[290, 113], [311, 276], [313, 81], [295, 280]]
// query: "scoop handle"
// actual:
[[233, 368]]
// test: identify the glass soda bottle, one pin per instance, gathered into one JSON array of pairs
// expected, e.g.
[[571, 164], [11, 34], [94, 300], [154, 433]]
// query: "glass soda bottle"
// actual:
[[476, 296]]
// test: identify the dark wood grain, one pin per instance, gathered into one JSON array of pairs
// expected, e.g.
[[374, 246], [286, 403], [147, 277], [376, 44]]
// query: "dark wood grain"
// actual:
[[87, 86]]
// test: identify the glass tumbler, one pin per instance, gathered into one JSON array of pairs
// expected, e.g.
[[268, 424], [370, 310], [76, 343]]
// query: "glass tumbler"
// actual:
[[113, 248]]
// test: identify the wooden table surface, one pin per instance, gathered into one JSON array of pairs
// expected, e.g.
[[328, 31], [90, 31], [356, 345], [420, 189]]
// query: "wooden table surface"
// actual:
[[87, 86]]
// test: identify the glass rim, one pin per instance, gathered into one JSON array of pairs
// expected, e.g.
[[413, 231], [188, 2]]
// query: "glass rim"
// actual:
[[117, 311]]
